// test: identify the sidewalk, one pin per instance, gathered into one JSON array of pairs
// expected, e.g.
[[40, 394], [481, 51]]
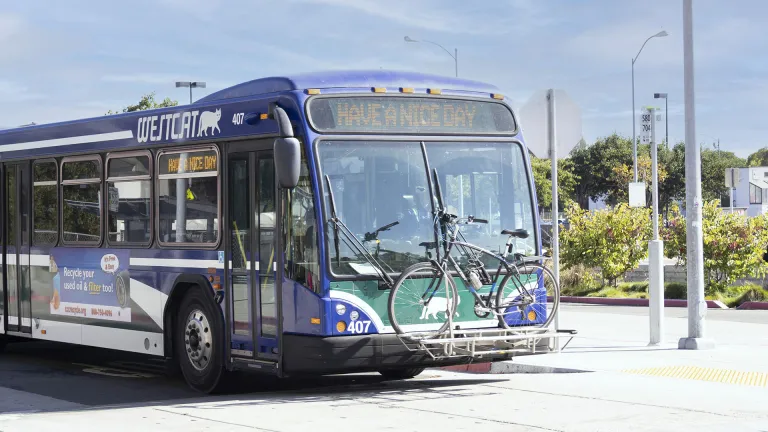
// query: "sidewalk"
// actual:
[[616, 342]]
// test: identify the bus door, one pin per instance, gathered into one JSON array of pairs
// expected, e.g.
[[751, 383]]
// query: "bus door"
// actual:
[[252, 255], [17, 237]]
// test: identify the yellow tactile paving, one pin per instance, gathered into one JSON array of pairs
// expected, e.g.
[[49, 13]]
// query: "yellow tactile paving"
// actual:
[[728, 376]]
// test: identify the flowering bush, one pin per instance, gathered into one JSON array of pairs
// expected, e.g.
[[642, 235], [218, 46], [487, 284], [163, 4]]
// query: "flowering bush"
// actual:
[[733, 245], [615, 240]]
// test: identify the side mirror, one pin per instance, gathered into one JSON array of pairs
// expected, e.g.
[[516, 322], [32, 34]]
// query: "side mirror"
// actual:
[[287, 153]]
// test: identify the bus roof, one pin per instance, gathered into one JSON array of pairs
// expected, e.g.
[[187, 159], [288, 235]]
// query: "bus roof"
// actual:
[[347, 79], [217, 111]]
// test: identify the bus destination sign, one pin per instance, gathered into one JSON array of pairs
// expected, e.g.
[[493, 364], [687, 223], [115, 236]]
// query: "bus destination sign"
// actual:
[[192, 162], [393, 114]]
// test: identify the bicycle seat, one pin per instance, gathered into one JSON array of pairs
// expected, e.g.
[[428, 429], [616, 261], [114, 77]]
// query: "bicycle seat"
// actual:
[[519, 233], [430, 245]]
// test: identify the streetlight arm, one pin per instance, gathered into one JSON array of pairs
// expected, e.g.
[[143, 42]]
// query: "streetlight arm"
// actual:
[[435, 43], [641, 48]]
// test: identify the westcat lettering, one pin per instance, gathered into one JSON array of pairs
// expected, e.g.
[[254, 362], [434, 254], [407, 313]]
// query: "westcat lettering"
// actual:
[[176, 126]]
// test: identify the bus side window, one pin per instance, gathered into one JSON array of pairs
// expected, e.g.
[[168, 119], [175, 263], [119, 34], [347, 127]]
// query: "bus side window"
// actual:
[[45, 202], [129, 192], [81, 192]]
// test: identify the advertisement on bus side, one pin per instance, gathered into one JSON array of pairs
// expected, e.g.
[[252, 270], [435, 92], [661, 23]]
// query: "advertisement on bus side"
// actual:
[[91, 284]]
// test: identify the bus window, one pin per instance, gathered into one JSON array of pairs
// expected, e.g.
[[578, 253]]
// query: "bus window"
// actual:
[[45, 204], [129, 193], [188, 196], [81, 191]]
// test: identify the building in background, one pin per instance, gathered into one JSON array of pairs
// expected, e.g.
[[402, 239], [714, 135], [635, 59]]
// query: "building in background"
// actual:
[[750, 195]]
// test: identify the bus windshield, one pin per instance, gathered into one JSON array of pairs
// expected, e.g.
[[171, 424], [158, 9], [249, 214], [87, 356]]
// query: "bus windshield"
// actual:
[[380, 183]]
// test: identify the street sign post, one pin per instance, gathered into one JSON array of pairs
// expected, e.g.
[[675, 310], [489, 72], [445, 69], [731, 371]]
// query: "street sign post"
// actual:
[[732, 178], [655, 246], [552, 129]]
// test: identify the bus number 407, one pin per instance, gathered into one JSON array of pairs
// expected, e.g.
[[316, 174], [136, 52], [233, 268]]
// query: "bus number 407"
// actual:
[[238, 118], [359, 326]]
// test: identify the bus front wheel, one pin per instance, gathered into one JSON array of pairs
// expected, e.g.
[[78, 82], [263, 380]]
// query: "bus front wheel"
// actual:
[[400, 374], [199, 342]]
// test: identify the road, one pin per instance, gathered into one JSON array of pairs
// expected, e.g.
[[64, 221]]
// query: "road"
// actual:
[[44, 386]]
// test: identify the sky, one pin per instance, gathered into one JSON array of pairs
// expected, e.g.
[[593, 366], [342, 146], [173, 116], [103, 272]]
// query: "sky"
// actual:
[[81, 58]]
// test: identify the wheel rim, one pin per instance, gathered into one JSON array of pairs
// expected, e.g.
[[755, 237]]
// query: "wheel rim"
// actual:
[[120, 291], [198, 340]]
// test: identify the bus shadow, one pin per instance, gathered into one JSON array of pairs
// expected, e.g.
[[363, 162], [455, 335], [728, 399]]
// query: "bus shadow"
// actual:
[[97, 379]]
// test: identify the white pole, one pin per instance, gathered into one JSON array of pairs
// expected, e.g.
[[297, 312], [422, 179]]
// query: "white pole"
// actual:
[[634, 137], [655, 250], [697, 306], [555, 224]]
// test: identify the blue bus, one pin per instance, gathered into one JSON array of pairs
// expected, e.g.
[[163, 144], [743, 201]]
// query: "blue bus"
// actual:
[[199, 233]]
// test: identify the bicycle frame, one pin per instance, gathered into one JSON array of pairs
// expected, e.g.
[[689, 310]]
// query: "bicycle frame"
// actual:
[[468, 249]]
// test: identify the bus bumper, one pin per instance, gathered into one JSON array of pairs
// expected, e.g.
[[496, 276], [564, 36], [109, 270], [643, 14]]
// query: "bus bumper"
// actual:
[[368, 353]]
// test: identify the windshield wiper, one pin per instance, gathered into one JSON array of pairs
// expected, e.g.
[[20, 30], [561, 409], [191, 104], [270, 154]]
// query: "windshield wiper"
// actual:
[[375, 235], [337, 223]]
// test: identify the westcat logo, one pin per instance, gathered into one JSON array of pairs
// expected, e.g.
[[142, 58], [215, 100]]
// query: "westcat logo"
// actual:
[[183, 125]]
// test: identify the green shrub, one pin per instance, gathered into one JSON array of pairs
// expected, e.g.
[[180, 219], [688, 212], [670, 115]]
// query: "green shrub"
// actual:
[[676, 291], [613, 240]]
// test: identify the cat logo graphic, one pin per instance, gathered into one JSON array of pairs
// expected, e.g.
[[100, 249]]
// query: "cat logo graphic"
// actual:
[[209, 119]]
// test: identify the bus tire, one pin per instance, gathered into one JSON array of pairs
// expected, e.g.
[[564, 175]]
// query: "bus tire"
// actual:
[[199, 342], [400, 374]]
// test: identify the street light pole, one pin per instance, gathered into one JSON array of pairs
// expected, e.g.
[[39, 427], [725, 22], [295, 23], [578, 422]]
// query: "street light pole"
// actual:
[[697, 306], [666, 116], [455, 55], [634, 120], [191, 85]]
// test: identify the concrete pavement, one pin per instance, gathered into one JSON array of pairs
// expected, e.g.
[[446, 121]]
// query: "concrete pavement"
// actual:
[[611, 344], [616, 339]]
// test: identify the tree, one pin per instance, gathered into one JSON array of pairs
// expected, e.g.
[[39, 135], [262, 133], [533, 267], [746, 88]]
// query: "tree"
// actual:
[[713, 165], [758, 158], [542, 177], [624, 174], [673, 188], [147, 102], [594, 166]]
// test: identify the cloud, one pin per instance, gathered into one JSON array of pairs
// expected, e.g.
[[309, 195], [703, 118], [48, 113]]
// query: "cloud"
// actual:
[[144, 78], [11, 92], [435, 16]]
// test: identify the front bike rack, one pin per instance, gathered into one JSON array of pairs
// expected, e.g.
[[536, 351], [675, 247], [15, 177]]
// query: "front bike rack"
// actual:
[[480, 343]]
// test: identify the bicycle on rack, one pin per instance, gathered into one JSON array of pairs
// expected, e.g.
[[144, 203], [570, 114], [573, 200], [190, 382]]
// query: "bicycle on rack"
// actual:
[[515, 301]]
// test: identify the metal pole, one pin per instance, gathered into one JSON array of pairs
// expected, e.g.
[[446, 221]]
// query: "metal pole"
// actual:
[[190, 94], [456, 60], [634, 141], [666, 121], [731, 189], [697, 306], [655, 250], [555, 221]]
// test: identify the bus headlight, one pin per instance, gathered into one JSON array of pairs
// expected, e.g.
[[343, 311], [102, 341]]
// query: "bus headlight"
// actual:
[[340, 308]]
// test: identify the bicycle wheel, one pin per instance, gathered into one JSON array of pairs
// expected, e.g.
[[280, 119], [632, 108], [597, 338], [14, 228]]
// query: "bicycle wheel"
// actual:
[[413, 308], [531, 298]]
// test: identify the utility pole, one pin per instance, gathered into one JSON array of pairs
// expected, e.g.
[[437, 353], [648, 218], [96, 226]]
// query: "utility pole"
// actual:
[[697, 305]]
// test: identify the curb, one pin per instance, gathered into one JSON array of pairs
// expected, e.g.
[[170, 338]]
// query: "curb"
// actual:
[[469, 368], [520, 368], [712, 304], [753, 305], [509, 367]]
